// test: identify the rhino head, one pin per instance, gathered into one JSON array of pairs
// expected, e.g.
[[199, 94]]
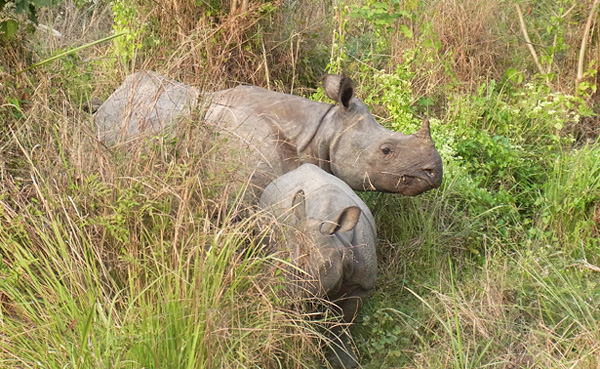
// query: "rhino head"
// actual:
[[368, 156], [328, 227]]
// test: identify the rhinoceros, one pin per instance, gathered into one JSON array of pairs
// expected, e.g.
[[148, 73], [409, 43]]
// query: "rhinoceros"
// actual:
[[146, 102], [338, 250], [276, 133]]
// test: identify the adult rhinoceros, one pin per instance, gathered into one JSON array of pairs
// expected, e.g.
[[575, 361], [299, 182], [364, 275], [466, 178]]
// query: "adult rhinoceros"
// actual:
[[278, 132], [335, 246]]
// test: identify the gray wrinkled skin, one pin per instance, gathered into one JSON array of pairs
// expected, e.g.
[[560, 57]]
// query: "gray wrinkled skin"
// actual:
[[276, 132], [343, 139], [338, 253], [145, 102]]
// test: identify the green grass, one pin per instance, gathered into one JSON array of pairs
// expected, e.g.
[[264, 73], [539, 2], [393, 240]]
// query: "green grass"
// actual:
[[471, 281], [127, 264]]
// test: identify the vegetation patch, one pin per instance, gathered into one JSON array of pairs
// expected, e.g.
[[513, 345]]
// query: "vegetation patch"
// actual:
[[139, 255]]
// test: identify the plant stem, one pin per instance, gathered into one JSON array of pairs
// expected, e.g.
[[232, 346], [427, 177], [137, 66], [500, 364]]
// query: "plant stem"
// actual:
[[528, 41], [584, 40], [51, 59]]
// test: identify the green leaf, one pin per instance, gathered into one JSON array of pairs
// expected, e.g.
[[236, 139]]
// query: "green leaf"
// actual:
[[41, 2], [584, 86], [407, 32], [32, 14], [425, 101], [8, 28], [513, 74], [20, 5]]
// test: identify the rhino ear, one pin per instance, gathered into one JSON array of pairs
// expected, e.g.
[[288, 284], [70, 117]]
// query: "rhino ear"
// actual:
[[345, 221], [299, 206], [338, 88]]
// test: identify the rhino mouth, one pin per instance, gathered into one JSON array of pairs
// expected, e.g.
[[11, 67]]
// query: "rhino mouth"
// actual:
[[408, 179], [413, 185], [406, 184]]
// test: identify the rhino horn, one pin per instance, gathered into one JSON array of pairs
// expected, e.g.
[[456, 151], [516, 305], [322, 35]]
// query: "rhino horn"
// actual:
[[338, 88], [424, 132]]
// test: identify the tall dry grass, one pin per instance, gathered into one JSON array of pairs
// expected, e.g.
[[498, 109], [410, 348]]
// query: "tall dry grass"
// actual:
[[131, 256], [471, 38]]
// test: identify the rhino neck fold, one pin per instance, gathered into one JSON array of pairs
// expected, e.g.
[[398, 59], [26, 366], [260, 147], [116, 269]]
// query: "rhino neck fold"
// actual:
[[303, 142], [296, 119], [315, 148]]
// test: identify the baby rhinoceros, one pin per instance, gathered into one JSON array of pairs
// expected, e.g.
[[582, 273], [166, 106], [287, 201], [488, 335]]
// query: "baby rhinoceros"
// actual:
[[336, 249]]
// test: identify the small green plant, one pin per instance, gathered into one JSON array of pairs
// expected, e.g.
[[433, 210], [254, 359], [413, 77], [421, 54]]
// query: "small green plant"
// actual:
[[555, 30], [382, 16], [378, 22], [127, 22], [393, 91], [586, 88], [385, 333], [569, 203], [13, 10]]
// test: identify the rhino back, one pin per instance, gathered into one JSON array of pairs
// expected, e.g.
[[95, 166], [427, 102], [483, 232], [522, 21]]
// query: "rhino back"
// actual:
[[146, 102], [243, 107], [269, 128], [314, 182]]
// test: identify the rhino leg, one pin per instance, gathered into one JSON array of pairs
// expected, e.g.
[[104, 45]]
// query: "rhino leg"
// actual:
[[350, 303], [342, 354]]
